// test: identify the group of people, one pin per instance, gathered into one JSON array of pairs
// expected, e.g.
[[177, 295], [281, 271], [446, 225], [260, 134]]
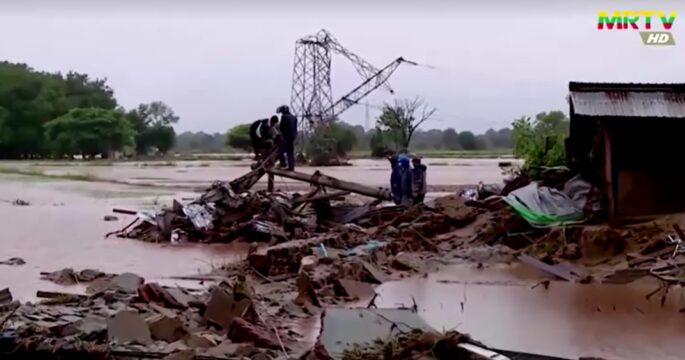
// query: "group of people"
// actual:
[[267, 133], [407, 182]]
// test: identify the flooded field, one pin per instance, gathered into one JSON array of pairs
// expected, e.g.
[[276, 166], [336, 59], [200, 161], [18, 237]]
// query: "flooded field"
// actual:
[[197, 174], [63, 227]]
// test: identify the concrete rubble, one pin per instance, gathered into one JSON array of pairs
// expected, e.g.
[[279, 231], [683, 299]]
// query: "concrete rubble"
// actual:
[[311, 254]]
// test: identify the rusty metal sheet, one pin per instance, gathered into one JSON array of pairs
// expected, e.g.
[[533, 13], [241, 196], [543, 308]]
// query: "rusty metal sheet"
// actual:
[[629, 104]]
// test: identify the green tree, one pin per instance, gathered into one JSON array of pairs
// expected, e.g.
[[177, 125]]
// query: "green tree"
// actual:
[[330, 140], [238, 137], [400, 121], [450, 139], [153, 125], [379, 144], [83, 92], [88, 132], [468, 140], [540, 142]]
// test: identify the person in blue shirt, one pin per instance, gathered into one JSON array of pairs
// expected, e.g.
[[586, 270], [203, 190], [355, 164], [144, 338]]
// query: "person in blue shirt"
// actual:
[[406, 179], [401, 180]]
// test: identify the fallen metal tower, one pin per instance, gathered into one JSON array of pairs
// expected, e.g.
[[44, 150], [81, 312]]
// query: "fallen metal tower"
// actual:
[[311, 97]]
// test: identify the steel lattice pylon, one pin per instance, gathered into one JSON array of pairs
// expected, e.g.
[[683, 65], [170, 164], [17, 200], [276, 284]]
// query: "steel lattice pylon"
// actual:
[[311, 95]]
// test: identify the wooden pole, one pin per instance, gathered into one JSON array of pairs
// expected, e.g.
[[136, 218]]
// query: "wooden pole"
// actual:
[[270, 183], [324, 180]]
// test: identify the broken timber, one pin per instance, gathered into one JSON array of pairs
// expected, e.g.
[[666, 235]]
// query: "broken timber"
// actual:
[[245, 182], [324, 180]]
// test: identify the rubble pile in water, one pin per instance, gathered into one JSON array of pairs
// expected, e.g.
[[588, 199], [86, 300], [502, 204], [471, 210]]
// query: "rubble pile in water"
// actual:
[[312, 254], [429, 345], [123, 316]]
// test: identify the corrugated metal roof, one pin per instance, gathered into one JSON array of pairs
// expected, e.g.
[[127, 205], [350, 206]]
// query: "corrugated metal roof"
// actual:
[[590, 87], [629, 103]]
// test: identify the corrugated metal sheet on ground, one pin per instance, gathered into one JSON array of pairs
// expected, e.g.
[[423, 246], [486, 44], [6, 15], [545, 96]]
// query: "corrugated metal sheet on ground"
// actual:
[[628, 103]]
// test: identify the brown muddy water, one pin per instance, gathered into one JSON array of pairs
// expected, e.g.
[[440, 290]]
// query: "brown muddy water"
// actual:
[[193, 174], [64, 227]]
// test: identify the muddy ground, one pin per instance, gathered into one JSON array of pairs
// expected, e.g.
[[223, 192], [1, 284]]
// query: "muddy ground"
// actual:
[[498, 304]]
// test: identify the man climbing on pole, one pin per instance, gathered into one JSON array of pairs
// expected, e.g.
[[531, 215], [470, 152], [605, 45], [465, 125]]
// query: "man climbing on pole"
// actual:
[[288, 129]]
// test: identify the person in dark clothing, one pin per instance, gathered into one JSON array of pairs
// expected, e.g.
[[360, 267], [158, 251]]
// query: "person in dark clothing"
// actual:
[[263, 135], [419, 185], [395, 180], [401, 180], [405, 180], [288, 128]]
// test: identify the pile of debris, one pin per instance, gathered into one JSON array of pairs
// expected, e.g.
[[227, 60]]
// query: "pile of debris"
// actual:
[[125, 317]]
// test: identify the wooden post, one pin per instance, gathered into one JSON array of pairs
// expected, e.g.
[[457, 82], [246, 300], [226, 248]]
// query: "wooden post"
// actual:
[[609, 177], [323, 180], [270, 183]]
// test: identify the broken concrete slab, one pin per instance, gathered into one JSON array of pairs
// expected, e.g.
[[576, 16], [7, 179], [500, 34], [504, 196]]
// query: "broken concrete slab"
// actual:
[[128, 326], [198, 341], [154, 293], [127, 282], [243, 331], [562, 271], [68, 276], [166, 328], [377, 276], [355, 289], [345, 328], [90, 327], [223, 309]]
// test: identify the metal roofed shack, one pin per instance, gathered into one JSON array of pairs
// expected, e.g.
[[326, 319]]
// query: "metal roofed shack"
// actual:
[[627, 138]]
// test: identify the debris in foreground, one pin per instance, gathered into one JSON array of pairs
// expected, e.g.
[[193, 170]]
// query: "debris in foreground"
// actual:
[[397, 334], [15, 261]]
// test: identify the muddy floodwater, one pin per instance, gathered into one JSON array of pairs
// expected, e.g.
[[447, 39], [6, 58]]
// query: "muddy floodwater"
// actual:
[[63, 227]]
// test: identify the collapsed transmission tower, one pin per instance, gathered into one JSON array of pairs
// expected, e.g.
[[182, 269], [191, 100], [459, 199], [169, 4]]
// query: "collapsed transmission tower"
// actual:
[[311, 96]]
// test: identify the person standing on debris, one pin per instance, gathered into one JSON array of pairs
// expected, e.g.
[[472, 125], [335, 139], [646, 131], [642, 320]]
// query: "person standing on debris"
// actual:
[[395, 180], [405, 177], [262, 136], [288, 128], [419, 185]]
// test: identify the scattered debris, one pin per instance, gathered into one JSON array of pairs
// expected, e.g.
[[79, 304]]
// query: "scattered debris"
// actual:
[[20, 202], [128, 326], [15, 261], [110, 218], [68, 276]]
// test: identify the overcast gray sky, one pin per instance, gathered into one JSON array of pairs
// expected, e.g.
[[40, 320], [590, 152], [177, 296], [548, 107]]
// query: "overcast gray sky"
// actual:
[[218, 64]]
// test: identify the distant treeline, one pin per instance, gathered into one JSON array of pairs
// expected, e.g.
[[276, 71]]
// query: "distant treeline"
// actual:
[[435, 139]]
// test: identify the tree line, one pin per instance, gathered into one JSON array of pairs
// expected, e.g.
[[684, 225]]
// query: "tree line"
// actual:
[[397, 129], [55, 115]]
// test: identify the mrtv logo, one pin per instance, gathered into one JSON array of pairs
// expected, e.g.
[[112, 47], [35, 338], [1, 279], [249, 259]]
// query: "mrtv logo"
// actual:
[[653, 25]]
